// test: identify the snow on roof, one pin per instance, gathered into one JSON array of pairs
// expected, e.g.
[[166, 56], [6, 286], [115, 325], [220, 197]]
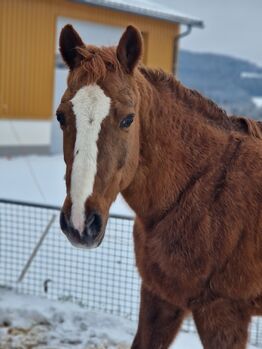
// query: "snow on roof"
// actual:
[[146, 8]]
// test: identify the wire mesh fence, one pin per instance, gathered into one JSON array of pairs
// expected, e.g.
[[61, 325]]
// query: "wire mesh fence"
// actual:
[[103, 279]]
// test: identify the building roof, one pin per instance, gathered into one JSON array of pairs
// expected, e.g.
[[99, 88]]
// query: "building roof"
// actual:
[[146, 8]]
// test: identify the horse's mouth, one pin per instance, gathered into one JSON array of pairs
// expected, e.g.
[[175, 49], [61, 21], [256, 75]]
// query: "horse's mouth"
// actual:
[[83, 242]]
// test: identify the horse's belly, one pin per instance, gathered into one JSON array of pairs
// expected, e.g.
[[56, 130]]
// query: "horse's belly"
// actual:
[[241, 278]]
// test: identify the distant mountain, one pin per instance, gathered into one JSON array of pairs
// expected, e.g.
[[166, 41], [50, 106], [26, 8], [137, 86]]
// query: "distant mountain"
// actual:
[[230, 82]]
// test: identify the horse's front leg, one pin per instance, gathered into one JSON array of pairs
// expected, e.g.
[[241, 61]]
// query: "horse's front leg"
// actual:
[[159, 322], [223, 324]]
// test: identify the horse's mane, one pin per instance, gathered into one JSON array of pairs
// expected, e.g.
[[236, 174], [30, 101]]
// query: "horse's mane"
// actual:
[[204, 106]]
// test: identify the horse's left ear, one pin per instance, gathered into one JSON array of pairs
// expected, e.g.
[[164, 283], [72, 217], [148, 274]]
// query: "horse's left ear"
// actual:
[[129, 49]]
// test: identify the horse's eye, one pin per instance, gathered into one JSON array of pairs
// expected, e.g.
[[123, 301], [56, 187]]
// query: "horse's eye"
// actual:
[[127, 121], [60, 118]]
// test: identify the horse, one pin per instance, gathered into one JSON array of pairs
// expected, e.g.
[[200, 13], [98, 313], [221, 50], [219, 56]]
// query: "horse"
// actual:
[[192, 175]]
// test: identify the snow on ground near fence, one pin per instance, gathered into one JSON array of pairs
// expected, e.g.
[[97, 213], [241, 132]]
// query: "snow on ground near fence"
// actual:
[[39, 179], [31, 322]]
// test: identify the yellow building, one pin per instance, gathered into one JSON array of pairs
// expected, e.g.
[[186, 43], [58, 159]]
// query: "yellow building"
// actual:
[[28, 44]]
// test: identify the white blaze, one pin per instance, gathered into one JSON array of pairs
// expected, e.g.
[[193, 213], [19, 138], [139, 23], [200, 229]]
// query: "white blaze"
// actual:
[[90, 106]]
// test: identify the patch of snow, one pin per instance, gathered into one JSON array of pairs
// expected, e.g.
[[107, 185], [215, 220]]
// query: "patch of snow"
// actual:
[[257, 101], [148, 8], [251, 75], [32, 322]]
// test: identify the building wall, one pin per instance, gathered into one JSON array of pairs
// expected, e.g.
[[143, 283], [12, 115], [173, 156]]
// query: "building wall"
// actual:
[[27, 49]]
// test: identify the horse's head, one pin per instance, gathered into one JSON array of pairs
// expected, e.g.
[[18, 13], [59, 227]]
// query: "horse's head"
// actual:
[[99, 118]]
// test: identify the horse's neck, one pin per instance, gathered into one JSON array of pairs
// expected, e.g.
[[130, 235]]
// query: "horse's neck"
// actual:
[[171, 150]]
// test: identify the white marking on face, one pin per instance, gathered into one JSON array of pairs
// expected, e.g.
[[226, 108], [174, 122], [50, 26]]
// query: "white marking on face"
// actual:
[[90, 106]]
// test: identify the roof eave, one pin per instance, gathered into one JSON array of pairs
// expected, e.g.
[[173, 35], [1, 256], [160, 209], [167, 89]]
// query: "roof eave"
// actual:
[[145, 12]]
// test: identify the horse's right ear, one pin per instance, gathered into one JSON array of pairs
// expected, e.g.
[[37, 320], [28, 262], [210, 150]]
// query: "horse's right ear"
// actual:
[[68, 42], [129, 49]]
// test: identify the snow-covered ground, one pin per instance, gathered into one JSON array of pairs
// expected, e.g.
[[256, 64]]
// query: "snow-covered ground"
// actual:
[[31, 322]]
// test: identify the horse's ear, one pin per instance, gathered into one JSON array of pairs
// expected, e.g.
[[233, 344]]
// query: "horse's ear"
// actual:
[[129, 49], [68, 42]]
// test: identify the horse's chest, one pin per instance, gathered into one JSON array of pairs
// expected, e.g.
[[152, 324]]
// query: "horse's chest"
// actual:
[[175, 278]]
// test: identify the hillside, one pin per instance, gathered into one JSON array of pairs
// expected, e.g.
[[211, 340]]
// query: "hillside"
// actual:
[[230, 82]]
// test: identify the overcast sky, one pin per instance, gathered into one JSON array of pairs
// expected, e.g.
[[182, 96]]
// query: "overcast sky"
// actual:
[[232, 27]]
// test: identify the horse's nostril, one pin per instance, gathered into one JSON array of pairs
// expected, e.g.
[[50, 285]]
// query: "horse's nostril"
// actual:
[[93, 224], [90, 219], [63, 221], [97, 223]]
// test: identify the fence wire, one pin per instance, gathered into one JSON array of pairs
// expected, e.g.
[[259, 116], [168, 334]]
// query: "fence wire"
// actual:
[[103, 279]]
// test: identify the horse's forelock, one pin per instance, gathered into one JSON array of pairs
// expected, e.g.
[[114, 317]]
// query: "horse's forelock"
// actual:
[[97, 62]]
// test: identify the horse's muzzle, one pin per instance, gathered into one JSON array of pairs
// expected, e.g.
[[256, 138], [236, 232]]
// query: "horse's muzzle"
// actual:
[[91, 237]]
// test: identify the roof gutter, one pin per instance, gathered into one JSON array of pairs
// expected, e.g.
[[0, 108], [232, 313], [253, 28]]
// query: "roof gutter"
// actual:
[[185, 33], [177, 38]]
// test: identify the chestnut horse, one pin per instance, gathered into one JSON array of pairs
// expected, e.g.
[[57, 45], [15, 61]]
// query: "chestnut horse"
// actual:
[[192, 175]]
